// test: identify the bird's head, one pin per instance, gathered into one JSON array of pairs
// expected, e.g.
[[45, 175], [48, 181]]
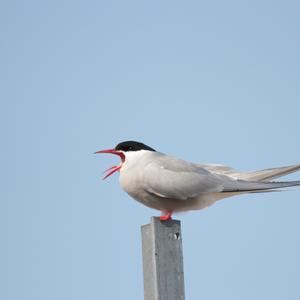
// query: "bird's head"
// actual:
[[121, 149]]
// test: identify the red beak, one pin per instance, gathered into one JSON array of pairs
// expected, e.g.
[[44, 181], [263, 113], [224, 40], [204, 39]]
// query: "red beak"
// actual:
[[113, 151], [115, 168]]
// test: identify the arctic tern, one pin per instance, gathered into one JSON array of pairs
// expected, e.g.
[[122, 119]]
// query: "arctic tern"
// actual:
[[170, 184]]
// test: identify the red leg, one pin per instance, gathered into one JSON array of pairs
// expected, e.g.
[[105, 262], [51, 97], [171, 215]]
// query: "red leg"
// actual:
[[166, 216]]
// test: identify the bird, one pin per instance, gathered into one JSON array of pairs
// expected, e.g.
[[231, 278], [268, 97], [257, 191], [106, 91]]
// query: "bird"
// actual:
[[171, 185]]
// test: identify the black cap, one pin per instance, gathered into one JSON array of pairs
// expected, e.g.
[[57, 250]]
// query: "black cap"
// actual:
[[132, 146]]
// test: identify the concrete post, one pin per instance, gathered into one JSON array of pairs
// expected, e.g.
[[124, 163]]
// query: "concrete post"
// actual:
[[162, 260]]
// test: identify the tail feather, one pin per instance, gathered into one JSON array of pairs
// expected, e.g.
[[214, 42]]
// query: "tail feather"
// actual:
[[267, 174], [257, 186]]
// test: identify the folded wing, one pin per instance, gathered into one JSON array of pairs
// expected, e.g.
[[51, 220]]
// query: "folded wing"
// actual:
[[177, 179], [174, 178]]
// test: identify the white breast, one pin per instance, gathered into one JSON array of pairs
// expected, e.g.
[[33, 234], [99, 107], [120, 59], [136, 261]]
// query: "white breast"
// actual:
[[131, 173]]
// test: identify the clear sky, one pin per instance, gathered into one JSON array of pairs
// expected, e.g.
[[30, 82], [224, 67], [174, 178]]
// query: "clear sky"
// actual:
[[208, 81]]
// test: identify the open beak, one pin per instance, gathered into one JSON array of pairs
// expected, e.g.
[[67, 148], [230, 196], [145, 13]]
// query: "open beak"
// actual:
[[114, 168]]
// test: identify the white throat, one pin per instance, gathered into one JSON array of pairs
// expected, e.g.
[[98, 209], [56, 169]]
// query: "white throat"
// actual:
[[132, 158]]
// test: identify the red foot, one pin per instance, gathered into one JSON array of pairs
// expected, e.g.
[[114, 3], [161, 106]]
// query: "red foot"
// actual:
[[167, 216]]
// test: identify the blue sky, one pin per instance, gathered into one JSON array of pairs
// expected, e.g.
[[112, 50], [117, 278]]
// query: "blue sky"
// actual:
[[206, 81]]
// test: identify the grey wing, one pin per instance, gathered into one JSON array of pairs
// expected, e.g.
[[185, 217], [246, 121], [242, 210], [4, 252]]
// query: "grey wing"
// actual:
[[218, 169], [174, 178]]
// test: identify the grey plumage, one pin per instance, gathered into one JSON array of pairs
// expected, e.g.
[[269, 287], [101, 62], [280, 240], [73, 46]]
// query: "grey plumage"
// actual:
[[167, 183]]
